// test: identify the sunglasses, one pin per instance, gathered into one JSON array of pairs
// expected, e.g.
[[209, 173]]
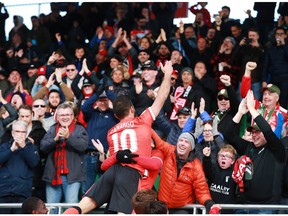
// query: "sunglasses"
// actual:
[[172, 78], [222, 98], [70, 69], [39, 106]]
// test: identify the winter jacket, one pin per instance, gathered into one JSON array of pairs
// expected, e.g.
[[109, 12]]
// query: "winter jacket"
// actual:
[[98, 122], [76, 145], [189, 186], [17, 169]]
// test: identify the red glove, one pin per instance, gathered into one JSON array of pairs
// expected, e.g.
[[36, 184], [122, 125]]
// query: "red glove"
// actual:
[[214, 210], [73, 210]]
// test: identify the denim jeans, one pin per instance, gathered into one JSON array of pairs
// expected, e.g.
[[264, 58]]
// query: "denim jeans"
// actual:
[[71, 191], [91, 173]]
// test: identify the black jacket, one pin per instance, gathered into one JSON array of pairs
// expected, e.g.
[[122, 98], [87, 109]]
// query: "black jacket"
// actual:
[[268, 161]]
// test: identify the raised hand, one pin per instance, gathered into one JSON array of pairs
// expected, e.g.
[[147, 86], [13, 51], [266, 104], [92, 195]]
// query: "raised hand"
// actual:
[[163, 35], [21, 89], [98, 145], [251, 65], [51, 80], [202, 105], [250, 99], [52, 58], [2, 100], [243, 106], [119, 33], [193, 111], [58, 36], [84, 66], [58, 73], [225, 79], [167, 69], [207, 151], [64, 131]]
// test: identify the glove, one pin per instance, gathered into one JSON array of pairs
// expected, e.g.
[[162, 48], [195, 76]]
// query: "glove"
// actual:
[[214, 210], [198, 128], [126, 156], [73, 210], [215, 127]]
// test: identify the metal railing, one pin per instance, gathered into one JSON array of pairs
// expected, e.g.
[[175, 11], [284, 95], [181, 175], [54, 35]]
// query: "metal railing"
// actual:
[[197, 208]]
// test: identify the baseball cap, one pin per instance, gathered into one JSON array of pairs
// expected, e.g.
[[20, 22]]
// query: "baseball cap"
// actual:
[[184, 111], [149, 65], [103, 95], [272, 88], [32, 66], [253, 127], [86, 82], [223, 92], [42, 70]]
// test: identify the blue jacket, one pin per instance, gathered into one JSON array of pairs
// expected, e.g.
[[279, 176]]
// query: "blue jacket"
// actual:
[[17, 169], [98, 123]]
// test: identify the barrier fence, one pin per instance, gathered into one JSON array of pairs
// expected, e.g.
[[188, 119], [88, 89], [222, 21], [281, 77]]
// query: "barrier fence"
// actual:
[[197, 208]]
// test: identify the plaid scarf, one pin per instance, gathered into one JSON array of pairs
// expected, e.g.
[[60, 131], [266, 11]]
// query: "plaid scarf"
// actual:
[[60, 160]]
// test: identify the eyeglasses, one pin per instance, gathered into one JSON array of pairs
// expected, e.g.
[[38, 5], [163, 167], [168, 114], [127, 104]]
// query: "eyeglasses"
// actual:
[[280, 33], [225, 156], [65, 115], [223, 98], [255, 131], [17, 131], [207, 131], [39, 106], [70, 69]]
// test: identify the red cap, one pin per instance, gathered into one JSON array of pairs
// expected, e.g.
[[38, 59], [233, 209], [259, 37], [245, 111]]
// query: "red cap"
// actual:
[[42, 70], [110, 28], [175, 72], [134, 32]]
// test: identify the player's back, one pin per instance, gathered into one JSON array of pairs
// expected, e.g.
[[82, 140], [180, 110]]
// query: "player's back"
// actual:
[[133, 134]]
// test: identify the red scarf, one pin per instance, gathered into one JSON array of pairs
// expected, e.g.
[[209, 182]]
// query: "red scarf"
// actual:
[[60, 160], [181, 96], [240, 169]]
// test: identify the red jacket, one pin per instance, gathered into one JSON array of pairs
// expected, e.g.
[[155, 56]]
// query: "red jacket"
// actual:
[[185, 189]]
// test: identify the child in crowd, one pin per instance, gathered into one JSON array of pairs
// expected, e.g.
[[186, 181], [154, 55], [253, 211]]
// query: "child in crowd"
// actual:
[[222, 187]]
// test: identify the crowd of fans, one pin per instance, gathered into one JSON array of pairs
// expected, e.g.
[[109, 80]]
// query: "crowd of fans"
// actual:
[[229, 86]]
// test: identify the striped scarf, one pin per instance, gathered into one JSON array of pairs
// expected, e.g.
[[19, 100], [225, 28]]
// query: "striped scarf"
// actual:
[[60, 159]]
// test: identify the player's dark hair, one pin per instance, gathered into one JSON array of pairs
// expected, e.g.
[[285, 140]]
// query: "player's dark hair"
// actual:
[[121, 106], [141, 199], [29, 205]]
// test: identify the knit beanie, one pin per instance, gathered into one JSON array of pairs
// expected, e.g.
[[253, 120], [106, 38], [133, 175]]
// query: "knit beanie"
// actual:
[[188, 69], [189, 137]]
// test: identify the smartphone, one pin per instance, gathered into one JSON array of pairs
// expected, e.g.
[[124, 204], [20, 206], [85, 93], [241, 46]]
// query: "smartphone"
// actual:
[[248, 40]]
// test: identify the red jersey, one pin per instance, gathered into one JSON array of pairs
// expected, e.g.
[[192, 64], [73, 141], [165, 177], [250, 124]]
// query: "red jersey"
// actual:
[[133, 134]]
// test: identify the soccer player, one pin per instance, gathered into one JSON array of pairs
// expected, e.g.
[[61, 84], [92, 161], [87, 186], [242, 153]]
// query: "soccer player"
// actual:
[[120, 182]]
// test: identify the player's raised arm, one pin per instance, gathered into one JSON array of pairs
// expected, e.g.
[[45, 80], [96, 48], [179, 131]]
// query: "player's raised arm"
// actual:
[[164, 88]]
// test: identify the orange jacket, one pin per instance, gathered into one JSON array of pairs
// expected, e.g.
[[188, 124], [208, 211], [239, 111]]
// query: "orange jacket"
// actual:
[[191, 184]]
